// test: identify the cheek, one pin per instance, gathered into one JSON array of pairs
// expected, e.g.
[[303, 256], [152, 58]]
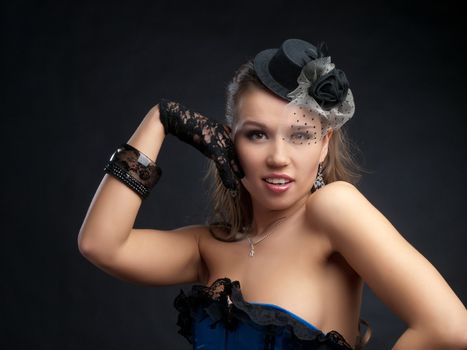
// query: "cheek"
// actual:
[[307, 161], [248, 157]]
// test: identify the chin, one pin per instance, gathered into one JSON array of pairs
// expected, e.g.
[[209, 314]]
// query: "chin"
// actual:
[[276, 202]]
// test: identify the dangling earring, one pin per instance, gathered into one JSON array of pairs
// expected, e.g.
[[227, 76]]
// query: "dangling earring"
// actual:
[[319, 182]]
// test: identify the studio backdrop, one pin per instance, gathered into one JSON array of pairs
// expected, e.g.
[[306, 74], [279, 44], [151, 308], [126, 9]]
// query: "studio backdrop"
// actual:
[[78, 77]]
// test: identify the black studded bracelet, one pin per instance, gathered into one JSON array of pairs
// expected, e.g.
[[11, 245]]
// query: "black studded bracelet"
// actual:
[[134, 169]]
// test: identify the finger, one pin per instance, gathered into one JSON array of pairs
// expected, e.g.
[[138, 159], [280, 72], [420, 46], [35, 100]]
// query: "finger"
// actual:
[[236, 168], [234, 162], [226, 174]]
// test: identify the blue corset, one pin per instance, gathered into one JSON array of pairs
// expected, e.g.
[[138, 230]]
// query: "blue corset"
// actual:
[[217, 317]]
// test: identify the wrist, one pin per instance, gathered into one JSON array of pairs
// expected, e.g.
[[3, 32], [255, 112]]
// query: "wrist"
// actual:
[[133, 168]]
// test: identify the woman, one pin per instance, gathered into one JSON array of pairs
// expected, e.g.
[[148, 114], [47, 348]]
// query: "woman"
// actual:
[[283, 266]]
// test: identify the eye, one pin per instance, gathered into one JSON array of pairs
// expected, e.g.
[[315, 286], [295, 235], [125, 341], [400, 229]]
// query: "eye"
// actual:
[[255, 134], [301, 136]]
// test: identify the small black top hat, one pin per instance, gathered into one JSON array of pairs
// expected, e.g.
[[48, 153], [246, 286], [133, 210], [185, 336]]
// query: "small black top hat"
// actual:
[[279, 69]]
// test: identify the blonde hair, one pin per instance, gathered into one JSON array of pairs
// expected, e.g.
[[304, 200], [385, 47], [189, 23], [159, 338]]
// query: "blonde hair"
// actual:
[[231, 217]]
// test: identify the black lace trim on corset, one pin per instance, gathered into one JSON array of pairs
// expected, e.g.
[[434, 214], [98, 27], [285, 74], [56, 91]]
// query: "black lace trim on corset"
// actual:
[[223, 302]]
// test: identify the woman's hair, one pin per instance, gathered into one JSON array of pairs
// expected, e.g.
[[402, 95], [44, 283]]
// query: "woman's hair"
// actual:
[[231, 217]]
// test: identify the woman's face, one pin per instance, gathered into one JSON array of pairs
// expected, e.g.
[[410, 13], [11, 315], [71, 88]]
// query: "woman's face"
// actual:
[[279, 148]]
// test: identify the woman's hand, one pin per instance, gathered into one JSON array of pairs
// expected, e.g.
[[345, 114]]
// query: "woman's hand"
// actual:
[[209, 137]]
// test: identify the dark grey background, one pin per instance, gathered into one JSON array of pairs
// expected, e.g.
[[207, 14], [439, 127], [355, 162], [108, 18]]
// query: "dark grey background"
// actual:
[[78, 77]]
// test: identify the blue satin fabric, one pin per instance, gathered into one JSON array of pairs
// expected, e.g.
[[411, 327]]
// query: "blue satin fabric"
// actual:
[[213, 318], [246, 335], [305, 322]]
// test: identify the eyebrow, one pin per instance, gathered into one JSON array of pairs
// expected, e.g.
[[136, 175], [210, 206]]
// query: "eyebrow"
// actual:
[[252, 122], [255, 123]]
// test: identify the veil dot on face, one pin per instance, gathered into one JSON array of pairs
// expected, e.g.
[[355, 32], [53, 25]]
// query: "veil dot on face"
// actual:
[[299, 132]]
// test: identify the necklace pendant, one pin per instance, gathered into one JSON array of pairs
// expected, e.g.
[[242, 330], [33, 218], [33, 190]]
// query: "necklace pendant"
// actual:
[[252, 250]]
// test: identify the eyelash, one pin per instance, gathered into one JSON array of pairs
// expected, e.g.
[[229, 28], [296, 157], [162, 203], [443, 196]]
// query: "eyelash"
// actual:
[[250, 134]]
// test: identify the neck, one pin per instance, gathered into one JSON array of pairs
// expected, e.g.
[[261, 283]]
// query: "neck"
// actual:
[[264, 217]]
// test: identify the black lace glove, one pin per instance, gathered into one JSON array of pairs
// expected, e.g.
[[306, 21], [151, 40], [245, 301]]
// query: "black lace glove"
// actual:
[[209, 137]]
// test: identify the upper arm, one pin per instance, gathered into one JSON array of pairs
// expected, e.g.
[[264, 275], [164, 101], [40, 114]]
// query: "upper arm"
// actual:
[[157, 257], [396, 272]]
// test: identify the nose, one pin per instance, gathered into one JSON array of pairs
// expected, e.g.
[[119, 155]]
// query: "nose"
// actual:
[[278, 155]]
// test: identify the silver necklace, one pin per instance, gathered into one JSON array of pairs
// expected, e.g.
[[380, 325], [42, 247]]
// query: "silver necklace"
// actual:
[[252, 244]]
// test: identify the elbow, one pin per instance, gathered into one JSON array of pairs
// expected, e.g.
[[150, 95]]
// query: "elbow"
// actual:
[[99, 252], [84, 249], [90, 249], [84, 245], [92, 253]]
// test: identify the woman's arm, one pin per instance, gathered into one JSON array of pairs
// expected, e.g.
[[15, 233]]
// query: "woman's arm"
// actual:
[[398, 274], [155, 257], [114, 207], [107, 237]]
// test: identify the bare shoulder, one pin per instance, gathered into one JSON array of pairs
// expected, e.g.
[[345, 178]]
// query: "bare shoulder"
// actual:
[[200, 232], [337, 207], [196, 229], [337, 195]]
